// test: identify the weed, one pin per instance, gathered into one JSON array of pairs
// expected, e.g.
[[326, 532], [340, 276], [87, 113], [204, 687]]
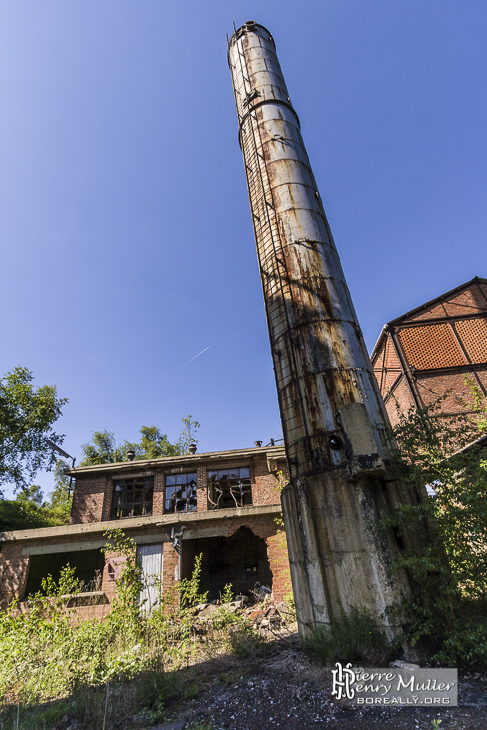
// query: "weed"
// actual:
[[228, 678], [157, 688], [227, 595], [246, 643], [351, 637]]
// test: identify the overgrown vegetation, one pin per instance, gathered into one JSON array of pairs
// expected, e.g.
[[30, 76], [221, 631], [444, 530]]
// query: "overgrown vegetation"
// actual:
[[353, 637], [133, 662], [29, 509], [450, 571], [136, 662], [152, 445]]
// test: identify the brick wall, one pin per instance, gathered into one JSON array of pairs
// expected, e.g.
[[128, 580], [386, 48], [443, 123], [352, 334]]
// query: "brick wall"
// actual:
[[85, 613], [451, 386], [14, 566], [92, 496], [170, 566], [265, 486], [400, 396], [159, 487], [91, 499], [264, 527], [202, 488], [92, 503], [13, 573]]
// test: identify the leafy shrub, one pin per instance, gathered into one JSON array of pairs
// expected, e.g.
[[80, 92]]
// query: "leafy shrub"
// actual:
[[189, 588], [449, 572]]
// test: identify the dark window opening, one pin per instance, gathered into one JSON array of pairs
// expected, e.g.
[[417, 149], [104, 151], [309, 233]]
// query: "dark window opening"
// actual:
[[181, 495], [240, 559], [229, 488], [89, 566], [132, 497]]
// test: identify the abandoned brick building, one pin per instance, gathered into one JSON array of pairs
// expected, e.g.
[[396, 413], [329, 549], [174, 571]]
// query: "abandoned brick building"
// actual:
[[222, 505], [428, 352]]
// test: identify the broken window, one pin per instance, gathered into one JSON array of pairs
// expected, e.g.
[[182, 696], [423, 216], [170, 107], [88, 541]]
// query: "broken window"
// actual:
[[132, 497], [181, 493], [229, 488], [88, 564]]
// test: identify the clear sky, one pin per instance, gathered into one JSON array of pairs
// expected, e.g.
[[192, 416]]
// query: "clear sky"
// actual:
[[127, 245]]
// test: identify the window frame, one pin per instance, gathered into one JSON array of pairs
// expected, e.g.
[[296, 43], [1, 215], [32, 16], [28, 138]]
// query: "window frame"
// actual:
[[188, 497], [228, 495], [126, 486]]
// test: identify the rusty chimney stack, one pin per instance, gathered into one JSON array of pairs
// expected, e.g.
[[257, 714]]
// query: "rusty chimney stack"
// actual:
[[332, 413]]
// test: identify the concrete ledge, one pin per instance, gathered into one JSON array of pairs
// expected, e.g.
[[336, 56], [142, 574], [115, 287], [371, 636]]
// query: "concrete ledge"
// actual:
[[130, 524], [274, 452]]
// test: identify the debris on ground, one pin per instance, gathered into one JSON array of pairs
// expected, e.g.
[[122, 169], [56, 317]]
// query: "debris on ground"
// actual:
[[284, 688]]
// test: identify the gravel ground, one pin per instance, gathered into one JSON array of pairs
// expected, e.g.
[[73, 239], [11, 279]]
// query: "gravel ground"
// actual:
[[288, 691]]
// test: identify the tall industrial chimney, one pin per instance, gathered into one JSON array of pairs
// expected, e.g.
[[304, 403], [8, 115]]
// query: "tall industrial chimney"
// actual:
[[332, 413]]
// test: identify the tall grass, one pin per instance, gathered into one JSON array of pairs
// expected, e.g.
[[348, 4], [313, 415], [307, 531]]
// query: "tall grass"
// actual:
[[352, 637]]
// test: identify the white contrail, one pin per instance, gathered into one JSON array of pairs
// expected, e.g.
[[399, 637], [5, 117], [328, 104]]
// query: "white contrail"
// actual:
[[194, 358]]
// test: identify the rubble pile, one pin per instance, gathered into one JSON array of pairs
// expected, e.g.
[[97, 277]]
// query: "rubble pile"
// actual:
[[264, 615]]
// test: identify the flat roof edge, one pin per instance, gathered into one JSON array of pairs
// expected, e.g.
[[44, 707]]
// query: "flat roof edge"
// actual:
[[186, 459]]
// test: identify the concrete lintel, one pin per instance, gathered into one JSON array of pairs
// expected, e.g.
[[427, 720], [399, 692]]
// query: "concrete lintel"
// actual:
[[71, 547], [63, 547], [131, 524], [196, 534]]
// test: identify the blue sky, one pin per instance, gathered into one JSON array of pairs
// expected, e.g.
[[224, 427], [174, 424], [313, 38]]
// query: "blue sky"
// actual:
[[127, 245]]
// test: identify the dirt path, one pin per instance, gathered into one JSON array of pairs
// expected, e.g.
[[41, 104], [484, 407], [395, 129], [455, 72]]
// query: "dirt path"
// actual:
[[288, 691]]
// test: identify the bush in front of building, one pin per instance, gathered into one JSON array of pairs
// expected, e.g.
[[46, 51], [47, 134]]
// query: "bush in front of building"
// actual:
[[449, 571], [130, 662]]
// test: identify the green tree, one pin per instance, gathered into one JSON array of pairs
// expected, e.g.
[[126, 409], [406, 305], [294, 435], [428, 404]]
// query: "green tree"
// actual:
[[25, 512], [60, 500], [27, 414], [153, 444], [29, 511], [102, 450]]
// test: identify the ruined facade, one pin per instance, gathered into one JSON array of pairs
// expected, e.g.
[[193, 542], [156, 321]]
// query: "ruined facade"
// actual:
[[222, 505], [434, 351]]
